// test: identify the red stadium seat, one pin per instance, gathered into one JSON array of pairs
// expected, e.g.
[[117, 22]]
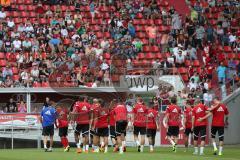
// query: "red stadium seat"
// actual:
[[231, 55], [45, 84], [141, 56], [106, 55], [159, 56], [150, 56], [115, 78], [196, 63], [16, 77], [14, 70], [185, 78], [182, 70], [227, 49], [2, 56], [188, 63], [3, 63]]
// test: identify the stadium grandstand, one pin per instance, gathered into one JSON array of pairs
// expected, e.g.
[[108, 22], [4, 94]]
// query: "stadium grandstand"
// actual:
[[64, 49]]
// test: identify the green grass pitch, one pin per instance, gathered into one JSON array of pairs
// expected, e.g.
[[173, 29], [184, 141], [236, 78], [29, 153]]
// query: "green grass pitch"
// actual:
[[230, 153]]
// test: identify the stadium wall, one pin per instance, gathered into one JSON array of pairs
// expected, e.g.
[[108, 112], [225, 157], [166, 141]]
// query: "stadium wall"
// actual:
[[232, 135]]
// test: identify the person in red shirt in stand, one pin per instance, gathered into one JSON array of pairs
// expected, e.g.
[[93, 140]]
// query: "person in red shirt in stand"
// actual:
[[62, 124], [120, 112], [101, 126], [199, 125], [187, 123], [152, 125], [219, 111], [172, 121], [139, 123], [82, 110], [112, 122]]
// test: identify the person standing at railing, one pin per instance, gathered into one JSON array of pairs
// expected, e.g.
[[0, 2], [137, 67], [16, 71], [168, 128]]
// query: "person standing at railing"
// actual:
[[48, 118], [11, 106], [22, 107]]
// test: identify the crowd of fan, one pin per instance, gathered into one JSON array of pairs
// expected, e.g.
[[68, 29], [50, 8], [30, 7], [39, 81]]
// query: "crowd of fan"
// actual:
[[67, 49]]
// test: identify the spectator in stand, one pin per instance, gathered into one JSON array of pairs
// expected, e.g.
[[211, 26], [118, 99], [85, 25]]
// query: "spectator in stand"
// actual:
[[180, 59], [22, 108], [11, 106], [221, 72], [7, 71], [192, 84], [2, 14], [199, 35], [192, 52]]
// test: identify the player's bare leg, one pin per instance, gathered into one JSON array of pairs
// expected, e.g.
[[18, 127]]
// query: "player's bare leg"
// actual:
[[220, 148], [176, 142], [96, 143], [171, 140], [85, 143], [186, 143], [51, 144], [214, 146], [195, 143], [45, 139], [137, 142], [202, 147], [142, 143], [120, 139], [150, 140], [78, 143], [105, 139]]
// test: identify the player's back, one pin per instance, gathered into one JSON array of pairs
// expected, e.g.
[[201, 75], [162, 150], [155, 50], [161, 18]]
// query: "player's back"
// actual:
[[188, 117], [120, 113], [219, 114]]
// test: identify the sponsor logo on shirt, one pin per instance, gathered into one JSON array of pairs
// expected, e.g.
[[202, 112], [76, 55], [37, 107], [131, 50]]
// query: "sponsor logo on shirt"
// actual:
[[140, 110], [84, 108], [220, 109], [199, 110], [175, 110], [48, 113]]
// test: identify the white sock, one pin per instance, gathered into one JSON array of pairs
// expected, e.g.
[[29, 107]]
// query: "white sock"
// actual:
[[151, 147], [220, 149], [45, 146], [87, 147], [50, 148], [106, 149], [172, 142], [138, 143], [102, 144], [214, 145], [78, 145], [97, 149], [124, 143], [196, 149], [84, 148], [121, 149], [141, 149], [201, 150]]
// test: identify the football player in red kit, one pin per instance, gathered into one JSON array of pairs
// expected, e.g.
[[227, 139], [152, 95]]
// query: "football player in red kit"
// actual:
[[62, 124], [219, 113], [152, 125], [82, 110], [188, 124], [120, 112], [139, 118], [112, 121], [199, 125], [101, 126], [172, 121]]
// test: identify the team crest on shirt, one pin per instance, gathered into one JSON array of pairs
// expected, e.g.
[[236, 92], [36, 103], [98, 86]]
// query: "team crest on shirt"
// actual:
[[175, 110], [220, 109], [199, 110], [84, 108], [140, 110]]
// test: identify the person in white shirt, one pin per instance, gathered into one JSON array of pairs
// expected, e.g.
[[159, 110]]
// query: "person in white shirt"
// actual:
[[105, 44], [27, 44], [35, 72], [232, 39], [29, 28], [207, 98], [10, 23], [192, 84], [17, 45], [2, 15], [64, 32], [20, 28], [180, 59], [104, 66]]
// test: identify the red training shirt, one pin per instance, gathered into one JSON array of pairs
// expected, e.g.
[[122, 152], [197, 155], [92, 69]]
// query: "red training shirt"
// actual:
[[140, 112], [174, 112], [188, 117], [102, 118], [112, 117], [120, 112], [199, 111], [83, 110], [62, 119], [151, 118], [218, 115]]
